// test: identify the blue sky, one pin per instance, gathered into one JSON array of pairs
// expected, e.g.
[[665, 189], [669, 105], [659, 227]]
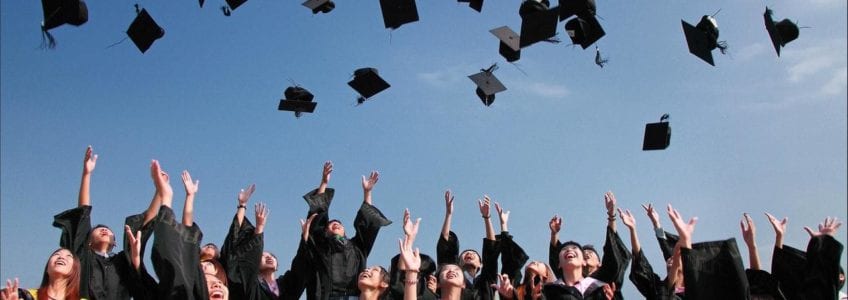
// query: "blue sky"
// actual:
[[755, 133]]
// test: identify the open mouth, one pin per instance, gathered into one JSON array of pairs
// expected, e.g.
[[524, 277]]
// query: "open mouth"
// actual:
[[570, 255], [61, 262], [216, 294], [364, 275], [451, 275]]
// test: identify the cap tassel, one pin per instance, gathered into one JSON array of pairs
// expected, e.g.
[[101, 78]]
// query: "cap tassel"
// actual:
[[226, 10], [297, 114], [600, 61], [360, 100], [722, 46], [47, 40]]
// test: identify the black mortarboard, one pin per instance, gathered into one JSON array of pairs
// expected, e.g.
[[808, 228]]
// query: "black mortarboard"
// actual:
[[317, 6], [233, 4], [510, 43], [298, 100], [144, 31], [398, 12], [59, 12], [487, 84], [538, 22], [474, 4], [781, 33], [584, 31], [703, 38], [580, 8], [367, 83], [201, 3], [657, 135]]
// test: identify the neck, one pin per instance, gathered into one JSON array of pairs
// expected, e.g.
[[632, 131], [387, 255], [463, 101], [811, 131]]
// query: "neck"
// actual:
[[267, 276], [56, 288], [471, 270], [369, 294], [100, 248], [571, 277], [451, 292]]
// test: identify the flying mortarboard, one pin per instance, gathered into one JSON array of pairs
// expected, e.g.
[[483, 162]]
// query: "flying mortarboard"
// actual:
[[144, 31], [703, 38], [509, 46], [781, 33], [487, 84], [538, 22], [580, 8], [657, 135], [584, 31], [298, 100], [231, 6], [398, 12], [474, 4], [324, 6], [367, 83], [60, 12]]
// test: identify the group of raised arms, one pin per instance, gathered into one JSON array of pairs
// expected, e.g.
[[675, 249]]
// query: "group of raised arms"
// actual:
[[329, 265]]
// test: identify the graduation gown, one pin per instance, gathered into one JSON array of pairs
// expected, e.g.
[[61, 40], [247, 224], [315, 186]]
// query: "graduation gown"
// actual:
[[513, 259], [613, 265], [713, 270], [176, 259], [810, 275], [338, 260], [647, 282], [243, 253], [447, 252], [101, 278], [396, 278]]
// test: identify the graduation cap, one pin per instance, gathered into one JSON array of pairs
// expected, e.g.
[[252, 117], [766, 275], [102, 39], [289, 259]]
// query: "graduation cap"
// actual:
[[781, 33], [509, 46], [398, 12], [367, 83], [144, 31], [231, 6], [324, 6], [657, 135], [474, 4], [538, 22], [703, 38], [60, 12], [487, 84], [201, 3], [580, 8], [584, 31], [298, 100]]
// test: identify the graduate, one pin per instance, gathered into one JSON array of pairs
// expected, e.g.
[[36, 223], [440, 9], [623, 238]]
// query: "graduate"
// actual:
[[337, 258], [61, 280], [397, 275], [642, 274]]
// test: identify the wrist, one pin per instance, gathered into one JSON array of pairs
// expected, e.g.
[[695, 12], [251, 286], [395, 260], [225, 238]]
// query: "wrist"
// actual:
[[486, 217], [240, 206]]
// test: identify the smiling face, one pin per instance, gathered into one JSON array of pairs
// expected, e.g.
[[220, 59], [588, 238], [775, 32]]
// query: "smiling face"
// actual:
[[101, 236], [451, 276], [470, 258], [374, 277], [571, 257], [60, 264], [268, 262], [217, 289], [335, 228], [592, 260]]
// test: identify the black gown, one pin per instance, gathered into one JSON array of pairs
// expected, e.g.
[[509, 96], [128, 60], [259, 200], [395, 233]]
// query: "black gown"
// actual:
[[613, 265], [101, 278], [447, 252], [810, 275], [713, 270], [649, 283]]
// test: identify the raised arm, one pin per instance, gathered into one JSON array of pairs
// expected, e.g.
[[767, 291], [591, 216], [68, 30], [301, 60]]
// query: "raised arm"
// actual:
[[609, 202], [749, 235], [485, 212], [163, 189], [556, 225], [325, 177], [503, 217], [88, 165], [243, 197], [684, 229], [135, 247], [368, 184], [446, 226], [261, 211], [191, 188], [304, 227], [628, 220], [11, 290], [779, 229]]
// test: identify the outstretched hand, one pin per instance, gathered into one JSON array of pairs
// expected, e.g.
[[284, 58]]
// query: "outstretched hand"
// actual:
[[504, 287], [11, 290], [652, 214], [411, 258], [135, 246], [627, 218], [160, 179], [609, 202], [448, 202], [410, 229], [555, 224], [261, 212], [368, 183], [305, 225], [684, 229], [503, 215], [90, 161], [829, 227], [191, 187], [325, 174], [779, 226], [244, 195], [485, 206], [748, 232]]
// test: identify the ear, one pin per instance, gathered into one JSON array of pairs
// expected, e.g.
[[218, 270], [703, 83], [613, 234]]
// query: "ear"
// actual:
[[384, 285]]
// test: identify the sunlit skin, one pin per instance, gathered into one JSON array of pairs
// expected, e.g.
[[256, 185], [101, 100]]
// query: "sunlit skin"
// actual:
[[217, 289], [208, 268], [207, 251], [101, 239], [592, 260], [470, 261], [537, 276], [571, 257], [60, 264], [336, 228], [268, 263], [451, 282]]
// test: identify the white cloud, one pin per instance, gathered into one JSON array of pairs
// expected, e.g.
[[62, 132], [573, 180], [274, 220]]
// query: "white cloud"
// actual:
[[812, 61], [443, 78], [750, 51], [820, 66], [548, 90], [838, 83]]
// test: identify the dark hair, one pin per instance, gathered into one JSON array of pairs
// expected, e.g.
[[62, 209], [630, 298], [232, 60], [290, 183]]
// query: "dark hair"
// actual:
[[214, 256], [219, 270], [71, 289]]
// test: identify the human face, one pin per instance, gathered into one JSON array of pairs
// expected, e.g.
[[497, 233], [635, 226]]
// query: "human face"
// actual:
[[208, 251], [336, 228], [208, 268], [217, 289], [372, 277], [268, 262], [571, 256], [61, 263], [100, 236], [451, 275], [592, 260], [537, 269], [470, 258]]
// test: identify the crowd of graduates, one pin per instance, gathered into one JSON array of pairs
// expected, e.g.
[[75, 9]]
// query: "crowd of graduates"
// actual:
[[329, 265]]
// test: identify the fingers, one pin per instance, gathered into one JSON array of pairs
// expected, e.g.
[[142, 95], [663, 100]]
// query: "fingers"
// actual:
[[809, 231], [498, 208]]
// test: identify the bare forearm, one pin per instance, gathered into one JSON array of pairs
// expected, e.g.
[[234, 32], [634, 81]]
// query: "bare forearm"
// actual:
[[188, 210], [554, 238], [153, 209], [446, 227], [410, 286], [84, 192], [321, 188], [240, 214], [754, 257], [634, 241], [490, 229], [778, 241], [367, 197]]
